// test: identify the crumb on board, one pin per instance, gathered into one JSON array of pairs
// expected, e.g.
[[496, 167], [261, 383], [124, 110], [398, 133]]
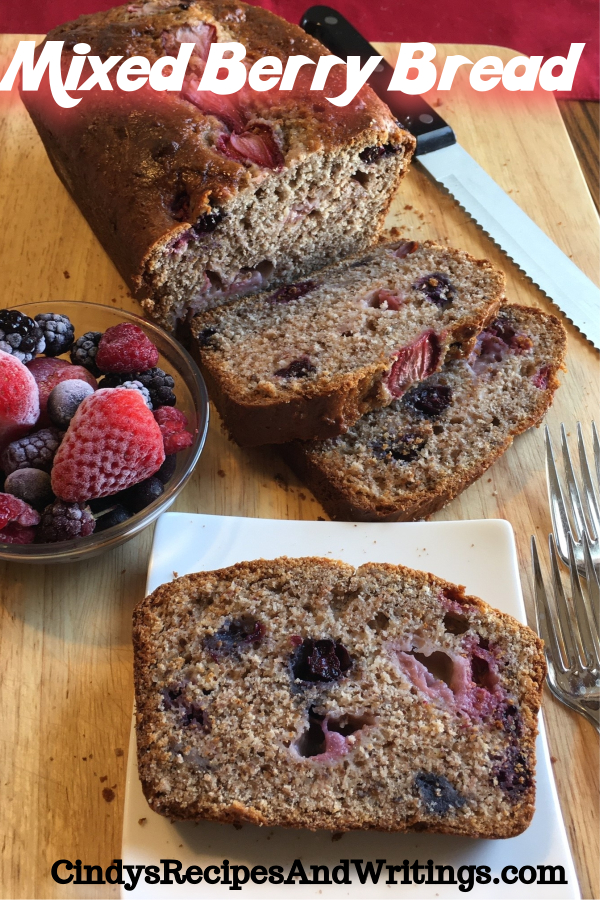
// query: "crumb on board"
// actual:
[[118, 751], [108, 794], [66, 273], [220, 473], [142, 821]]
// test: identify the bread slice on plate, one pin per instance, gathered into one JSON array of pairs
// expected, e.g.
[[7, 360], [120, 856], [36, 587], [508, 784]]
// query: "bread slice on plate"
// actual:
[[409, 459], [307, 360], [306, 693], [199, 197]]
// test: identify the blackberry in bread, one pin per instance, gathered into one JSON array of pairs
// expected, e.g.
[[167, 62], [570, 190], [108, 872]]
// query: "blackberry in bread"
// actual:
[[307, 360], [408, 460], [307, 693], [198, 197]]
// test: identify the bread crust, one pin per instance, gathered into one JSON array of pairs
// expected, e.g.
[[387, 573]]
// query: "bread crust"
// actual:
[[191, 594], [325, 410], [343, 503]]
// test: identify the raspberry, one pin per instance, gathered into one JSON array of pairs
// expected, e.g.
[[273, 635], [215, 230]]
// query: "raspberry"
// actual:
[[30, 485], [19, 335], [50, 372], [58, 332], [172, 424], [14, 510], [64, 521], [19, 399], [84, 351], [64, 400], [158, 383], [35, 451], [112, 442], [125, 348], [17, 534]]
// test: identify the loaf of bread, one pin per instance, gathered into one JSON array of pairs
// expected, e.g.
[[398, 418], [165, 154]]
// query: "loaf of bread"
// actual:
[[305, 693], [198, 197], [307, 360], [408, 460]]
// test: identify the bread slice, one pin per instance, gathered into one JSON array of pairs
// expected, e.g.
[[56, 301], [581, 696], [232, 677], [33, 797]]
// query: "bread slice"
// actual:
[[305, 693], [408, 460], [306, 361], [198, 197]]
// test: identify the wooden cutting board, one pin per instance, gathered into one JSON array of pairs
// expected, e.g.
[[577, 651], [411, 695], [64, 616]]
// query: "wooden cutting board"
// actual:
[[65, 650]]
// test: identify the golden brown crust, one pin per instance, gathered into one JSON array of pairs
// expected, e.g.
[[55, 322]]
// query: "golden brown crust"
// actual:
[[171, 617], [327, 477]]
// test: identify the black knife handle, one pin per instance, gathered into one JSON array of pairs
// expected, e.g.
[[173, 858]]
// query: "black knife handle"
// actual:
[[412, 112]]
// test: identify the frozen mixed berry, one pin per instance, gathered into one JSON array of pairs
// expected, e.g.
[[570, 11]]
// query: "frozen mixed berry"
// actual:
[[34, 451], [429, 399], [399, 448], [322, 660], [116, 515], [19, 399], [113, 441], [173, 423], [32, 486], [64, 400], [49, 372], [58, 333], [17, 520], [125, 348], [20, 336], [167, 470], [84, 351], [299, 368], [17, 534], [64, 521], [437, 287], [142, 494], [155, 380], [235, 635]]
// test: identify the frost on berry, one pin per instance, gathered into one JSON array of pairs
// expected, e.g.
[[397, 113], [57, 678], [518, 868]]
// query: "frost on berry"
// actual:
[[64, 521], [19, 399], [35, 451], [125, 348]]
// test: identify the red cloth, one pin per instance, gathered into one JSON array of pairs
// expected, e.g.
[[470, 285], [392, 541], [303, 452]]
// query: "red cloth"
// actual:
[[534, 27]]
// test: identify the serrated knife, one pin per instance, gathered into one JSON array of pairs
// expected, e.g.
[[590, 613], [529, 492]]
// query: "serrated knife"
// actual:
[[442, 156]]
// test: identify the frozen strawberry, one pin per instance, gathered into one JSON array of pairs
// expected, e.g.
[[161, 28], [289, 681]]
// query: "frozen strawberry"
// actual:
[[50, 372], [19, 399], [125, 348], [14, 510], [173, 424], [113, 441]]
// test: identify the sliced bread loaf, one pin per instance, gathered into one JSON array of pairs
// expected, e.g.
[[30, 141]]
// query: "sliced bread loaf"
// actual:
[[408, 460], [304, 693], [307, 360]]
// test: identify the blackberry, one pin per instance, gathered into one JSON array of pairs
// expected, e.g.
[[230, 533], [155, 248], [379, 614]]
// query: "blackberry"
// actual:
[[138, 386], [437, 287], [62, 521], [84, 350], [158, 383], [58, 333], [430, 400], [35, 451], [20, 336], [321, 660]]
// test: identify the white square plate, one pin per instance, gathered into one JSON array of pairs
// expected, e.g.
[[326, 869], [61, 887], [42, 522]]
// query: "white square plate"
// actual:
[[478, 554]]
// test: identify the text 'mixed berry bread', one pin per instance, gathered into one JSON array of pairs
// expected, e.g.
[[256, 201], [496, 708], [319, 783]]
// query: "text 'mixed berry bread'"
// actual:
[[305, 693], [408, 460], [198, 197], [307, 360]]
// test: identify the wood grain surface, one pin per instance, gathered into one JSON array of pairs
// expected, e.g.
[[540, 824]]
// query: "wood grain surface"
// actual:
[[65, 648]]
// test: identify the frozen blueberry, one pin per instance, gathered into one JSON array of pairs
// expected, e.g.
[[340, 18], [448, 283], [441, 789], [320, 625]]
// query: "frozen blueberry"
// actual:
[[30, 485], [321, 660], [114, 516], [142, 494], [167, 470], [64, 400], [437, 794]]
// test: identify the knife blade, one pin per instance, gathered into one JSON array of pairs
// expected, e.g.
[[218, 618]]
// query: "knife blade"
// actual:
[[448, 163]]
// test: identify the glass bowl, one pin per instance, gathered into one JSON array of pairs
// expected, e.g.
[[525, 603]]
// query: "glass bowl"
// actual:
[[192, 399]]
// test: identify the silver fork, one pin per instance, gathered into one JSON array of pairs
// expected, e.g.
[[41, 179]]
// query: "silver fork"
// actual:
[[561, 524], [570, 628]]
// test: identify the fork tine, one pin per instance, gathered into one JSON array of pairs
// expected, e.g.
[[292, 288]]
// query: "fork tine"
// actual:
[[592, 582], [576, 505], [564, 619], [590, 495], [589, 645], [545, 624], [596, 446], [560, 521]]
